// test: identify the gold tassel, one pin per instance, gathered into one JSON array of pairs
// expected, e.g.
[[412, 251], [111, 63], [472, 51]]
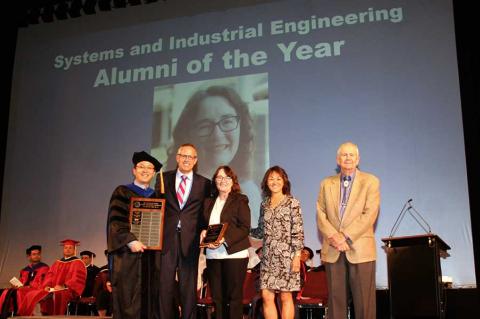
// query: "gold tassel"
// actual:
[[162, 187]]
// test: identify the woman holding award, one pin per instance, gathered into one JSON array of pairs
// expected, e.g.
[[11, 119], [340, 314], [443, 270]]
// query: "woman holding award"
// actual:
[[281, 227], [227, 257]]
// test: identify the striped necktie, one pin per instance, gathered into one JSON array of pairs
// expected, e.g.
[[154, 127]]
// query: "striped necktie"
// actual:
[[181, 190]]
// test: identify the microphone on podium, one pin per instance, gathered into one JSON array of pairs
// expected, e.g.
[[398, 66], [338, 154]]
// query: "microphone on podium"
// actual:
[[425, 226], [399, 218], [408, 207]]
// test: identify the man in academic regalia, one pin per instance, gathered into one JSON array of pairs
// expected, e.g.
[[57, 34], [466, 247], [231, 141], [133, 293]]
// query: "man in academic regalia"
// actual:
[[64, 282], [87, 296], [103, 291], [125, 250], [31, 277], [306, 259], [66, 278], [92, 271], [34, 273]]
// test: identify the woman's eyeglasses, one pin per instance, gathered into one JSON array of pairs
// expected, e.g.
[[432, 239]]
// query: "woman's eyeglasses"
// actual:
[[227, 124], [223, 178]]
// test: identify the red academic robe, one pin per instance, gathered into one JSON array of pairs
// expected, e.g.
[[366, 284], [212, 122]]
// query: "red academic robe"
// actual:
[[70, 273], [31, 277]]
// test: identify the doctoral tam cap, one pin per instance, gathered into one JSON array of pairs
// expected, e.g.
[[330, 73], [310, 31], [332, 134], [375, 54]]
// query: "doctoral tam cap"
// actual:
[[69, 242], [144, 156], [88, 253], [33, 247]]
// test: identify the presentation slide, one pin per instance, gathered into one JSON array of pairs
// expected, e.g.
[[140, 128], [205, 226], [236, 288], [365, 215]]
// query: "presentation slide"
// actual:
[[282, 83]]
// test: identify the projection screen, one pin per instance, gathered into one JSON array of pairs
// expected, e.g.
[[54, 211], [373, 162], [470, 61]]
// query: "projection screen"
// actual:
[[311, 75]]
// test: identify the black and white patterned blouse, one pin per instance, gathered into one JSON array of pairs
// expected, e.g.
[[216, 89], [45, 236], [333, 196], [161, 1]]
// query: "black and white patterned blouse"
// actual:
[[282, 231]]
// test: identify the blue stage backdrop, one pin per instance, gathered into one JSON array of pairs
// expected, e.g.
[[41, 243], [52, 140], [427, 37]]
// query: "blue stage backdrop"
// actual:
[[89, 92]]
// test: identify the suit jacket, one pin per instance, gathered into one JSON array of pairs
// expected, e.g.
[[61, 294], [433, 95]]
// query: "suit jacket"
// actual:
[[236, 213], [358, 219], [190, 216]]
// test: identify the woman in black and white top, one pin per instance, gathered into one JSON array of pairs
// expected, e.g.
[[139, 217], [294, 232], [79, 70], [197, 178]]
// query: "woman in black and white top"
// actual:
[[227, 259]]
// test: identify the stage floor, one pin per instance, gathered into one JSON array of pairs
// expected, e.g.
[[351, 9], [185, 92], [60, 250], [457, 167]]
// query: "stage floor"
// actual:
[[43, 317]]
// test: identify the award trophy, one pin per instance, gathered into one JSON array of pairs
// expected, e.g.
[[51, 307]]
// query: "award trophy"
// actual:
[[146, 221], [214, 234]]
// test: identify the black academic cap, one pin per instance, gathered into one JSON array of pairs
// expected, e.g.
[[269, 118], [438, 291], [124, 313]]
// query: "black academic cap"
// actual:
[[33, 247], [144, 156], [88, 253]]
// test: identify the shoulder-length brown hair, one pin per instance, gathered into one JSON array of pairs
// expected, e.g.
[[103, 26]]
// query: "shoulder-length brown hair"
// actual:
[[230, 173], [183, 133], [266, 192]]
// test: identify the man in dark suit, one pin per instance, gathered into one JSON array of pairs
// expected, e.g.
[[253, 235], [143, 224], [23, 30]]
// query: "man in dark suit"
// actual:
[[185, 192]]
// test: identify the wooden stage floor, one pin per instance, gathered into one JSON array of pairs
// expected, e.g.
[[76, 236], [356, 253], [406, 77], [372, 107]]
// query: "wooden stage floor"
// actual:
[[57, 317]]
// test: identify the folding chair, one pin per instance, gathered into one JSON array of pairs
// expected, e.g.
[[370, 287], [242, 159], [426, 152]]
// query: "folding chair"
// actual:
[[204, 302], [250, 294], [314, 294]]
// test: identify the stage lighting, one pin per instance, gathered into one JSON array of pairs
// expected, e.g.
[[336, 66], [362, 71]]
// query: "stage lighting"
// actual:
[[60, 10], [47, 13], [75, 7], [89, 6], [104, 5], [119, 3]]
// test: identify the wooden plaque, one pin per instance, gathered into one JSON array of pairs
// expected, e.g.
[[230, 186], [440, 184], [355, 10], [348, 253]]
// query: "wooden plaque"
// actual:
[[214, 234], [146, 221]]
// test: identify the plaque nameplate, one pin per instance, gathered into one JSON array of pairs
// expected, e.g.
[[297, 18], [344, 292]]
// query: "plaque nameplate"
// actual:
[[146, 221], [214, 234]]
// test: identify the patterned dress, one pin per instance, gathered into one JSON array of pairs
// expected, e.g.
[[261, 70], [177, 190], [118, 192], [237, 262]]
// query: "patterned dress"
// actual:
[[282, 231]]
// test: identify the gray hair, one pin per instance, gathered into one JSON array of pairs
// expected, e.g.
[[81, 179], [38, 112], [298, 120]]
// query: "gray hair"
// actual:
[[348, 144]]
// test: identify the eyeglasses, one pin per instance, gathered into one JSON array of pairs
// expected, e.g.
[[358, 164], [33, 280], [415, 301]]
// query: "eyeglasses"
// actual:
[[227, 124], [147, 168], [223, 178], [187, 157]]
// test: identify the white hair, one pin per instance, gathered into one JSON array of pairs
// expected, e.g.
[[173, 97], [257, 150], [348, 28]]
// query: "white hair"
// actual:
[[348, 144]]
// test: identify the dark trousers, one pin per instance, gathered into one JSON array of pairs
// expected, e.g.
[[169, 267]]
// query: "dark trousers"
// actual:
[[126, 285], [360, 278], [226, 277], [172, 262]]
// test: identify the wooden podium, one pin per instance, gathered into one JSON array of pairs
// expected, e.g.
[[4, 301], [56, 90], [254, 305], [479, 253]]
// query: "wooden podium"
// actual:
[[415, 276]]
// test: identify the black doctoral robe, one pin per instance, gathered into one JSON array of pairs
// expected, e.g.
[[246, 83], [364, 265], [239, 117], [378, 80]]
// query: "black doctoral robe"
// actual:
[[134, 295], [92, 272]]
